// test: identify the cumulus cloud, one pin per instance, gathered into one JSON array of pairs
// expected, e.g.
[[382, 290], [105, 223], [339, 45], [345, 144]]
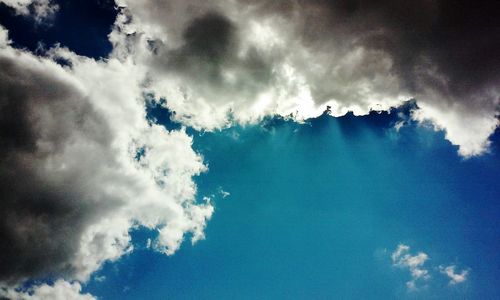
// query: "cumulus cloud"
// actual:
[[401, 257], [455, 277], [469, 130], [60, 290], [221, 61], [73, 184], [38, 9]]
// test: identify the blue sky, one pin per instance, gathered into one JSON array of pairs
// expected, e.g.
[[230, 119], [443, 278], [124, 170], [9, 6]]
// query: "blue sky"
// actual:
[[315, 211], [183, 149]]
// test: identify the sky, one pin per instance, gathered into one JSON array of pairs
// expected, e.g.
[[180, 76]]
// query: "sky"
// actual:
[[215, 149]]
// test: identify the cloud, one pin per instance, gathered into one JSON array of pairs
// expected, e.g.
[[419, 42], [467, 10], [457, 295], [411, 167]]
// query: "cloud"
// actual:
[[402, 258], [465, 128], [4, 38], [222, 61], [60, 290], [40, 10], [73, 185], [455, 277], [414, 263], [246, 70]]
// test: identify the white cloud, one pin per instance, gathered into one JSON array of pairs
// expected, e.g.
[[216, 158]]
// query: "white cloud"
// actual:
[[465, 128], [455, 277], [60, 290], [255, 78], [274, 62], [38, 9], [77, 143], [4, 37], [414, 263], [402, 258], [224, 193]]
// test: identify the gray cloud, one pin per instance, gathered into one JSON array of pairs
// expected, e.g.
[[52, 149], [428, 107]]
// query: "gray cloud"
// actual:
[[212, 58], [41, 215], [297, 57], [40, 10], [69, 179], [448, 46], [71, 186], [455, 37]]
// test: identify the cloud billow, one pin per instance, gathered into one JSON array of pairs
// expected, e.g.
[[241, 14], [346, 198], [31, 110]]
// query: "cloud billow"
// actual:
[[38, 204], [72, 183], [297, 57], [72, 186], [419, 272]]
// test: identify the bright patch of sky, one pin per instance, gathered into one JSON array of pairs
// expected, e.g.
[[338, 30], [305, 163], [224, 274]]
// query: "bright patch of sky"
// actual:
[[335, 208]]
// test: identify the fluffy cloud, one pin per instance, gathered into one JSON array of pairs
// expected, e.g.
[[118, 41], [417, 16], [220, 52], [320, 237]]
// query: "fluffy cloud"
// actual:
[[73, 184], [221, 61], [402, 258], [39, 9], [4, 38], [469, 130], [414, 263], [60, 290], [454, 277]]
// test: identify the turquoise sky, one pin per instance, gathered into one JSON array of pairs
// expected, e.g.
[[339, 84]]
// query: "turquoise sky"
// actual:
[[380, 206], [316, 210]]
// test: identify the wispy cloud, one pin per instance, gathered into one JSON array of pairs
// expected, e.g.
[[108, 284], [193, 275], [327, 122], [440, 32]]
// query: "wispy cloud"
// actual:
[[455, 276], [40, 10], [60, 290], [401, 257], [414, 263]]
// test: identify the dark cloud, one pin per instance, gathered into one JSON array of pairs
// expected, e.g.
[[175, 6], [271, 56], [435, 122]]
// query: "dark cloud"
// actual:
[[210, 48], [70, 178], [42, 210], [56, 148], [208, 45], [355, 53], [222, 61], [460, 39], [210, 37], [449, 46]]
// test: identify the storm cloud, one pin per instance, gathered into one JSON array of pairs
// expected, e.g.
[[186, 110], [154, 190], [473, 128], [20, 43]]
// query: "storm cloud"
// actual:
[[298, 57], [42, 214]]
